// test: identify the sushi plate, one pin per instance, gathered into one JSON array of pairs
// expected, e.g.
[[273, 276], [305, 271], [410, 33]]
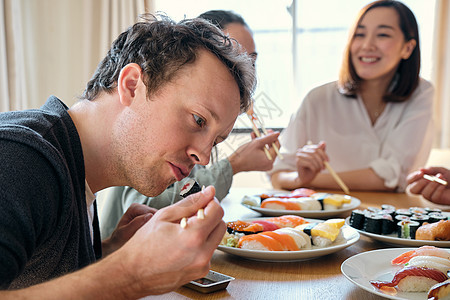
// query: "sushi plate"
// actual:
[[355, 202], [396, 241], [360, 269], [350, 236]]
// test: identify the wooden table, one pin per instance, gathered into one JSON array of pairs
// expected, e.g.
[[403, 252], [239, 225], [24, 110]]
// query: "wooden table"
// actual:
[[319, 278]]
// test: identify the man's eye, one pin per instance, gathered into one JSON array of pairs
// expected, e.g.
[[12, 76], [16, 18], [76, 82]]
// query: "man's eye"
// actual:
[[199, 120]]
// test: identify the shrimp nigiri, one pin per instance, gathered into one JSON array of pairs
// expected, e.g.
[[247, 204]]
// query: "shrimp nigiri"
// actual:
[[422, 251]]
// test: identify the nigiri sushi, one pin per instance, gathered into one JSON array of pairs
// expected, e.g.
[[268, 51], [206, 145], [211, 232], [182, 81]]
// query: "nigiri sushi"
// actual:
[[332, 201], [323, 234], [281, 204], [284, 239], [430, 262], [412, 279], [303, 203], [440, 291], [438, 231], [424, 250], [287, 221], [267, 225], [244, 227]]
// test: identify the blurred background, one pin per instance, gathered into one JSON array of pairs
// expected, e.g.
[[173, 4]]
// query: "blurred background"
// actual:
[[52, 47]]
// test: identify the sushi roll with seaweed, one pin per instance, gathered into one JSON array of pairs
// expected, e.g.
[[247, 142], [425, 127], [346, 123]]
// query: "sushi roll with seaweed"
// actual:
[[372, 223], [407, 229], [190, 187], [357, 218]]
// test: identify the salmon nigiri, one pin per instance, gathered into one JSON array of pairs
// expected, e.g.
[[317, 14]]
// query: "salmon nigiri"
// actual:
[[283, 204], [422, 251], [287, 221], [259, 242]]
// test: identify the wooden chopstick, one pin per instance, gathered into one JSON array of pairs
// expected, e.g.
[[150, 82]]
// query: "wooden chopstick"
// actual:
[[275, 147], [336, 178], [334, 175], [256, 131], [435, 178]]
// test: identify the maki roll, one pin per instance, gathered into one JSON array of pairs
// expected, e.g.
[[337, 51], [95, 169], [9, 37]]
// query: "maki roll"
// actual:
[[389, 211], [401, 218], [430, 210], [387, 224], [407, 229], [403, 212], [190, 187], [357, 219], [436, 217], [372, 223], [387, 207], [420, 218], [418, 211]]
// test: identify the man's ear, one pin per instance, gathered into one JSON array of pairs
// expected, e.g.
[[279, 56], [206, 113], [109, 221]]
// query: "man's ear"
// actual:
[[128, 82]]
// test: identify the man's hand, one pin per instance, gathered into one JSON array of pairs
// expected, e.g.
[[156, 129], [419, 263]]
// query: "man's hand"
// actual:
[[163, 255], [133, 219], [252, 157]]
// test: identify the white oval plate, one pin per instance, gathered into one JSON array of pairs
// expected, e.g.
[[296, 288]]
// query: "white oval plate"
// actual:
[[376, 265], [306, 213], [393, 239], [350, 236]]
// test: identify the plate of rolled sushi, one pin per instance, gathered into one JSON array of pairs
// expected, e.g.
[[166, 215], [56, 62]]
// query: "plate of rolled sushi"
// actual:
[[301, 202], [401, 273], [286, 238], [414, 226]]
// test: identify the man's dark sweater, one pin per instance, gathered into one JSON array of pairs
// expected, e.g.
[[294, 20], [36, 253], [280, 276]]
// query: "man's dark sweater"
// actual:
[[44, 230]]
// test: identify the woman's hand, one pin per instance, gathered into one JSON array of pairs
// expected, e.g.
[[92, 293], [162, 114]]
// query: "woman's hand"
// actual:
[[309, 160]]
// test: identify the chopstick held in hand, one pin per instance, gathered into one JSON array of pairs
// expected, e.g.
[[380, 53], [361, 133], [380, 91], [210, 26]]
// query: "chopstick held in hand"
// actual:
[[335, 176], [253, 118]]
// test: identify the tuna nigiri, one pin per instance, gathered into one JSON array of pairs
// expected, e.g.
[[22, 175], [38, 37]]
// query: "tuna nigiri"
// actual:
[[413, 279]]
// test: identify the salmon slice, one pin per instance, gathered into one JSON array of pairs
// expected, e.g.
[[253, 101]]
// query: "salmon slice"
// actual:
[[273, 203], [285, 240], [266, 241]]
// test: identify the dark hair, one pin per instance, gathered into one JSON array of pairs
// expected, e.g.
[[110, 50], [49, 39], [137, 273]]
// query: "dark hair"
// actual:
[[162, 47], [221, 18], [407, 77]]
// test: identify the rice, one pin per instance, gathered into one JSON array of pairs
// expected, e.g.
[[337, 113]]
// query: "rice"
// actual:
[[416, 284]]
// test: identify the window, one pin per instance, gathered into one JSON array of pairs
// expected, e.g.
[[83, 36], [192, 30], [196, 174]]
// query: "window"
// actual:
[[291, 62]]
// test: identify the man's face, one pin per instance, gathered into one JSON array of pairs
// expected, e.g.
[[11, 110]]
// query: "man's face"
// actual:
[[159, 140], [243, 36]]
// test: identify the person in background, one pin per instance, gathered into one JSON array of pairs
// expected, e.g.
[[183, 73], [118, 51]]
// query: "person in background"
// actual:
[[248, 157], [374, 125], [434, 190], [164, 94]]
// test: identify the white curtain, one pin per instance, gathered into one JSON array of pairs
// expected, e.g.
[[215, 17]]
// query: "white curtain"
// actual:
[[53, 46], [441, 74], [13, 87]]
